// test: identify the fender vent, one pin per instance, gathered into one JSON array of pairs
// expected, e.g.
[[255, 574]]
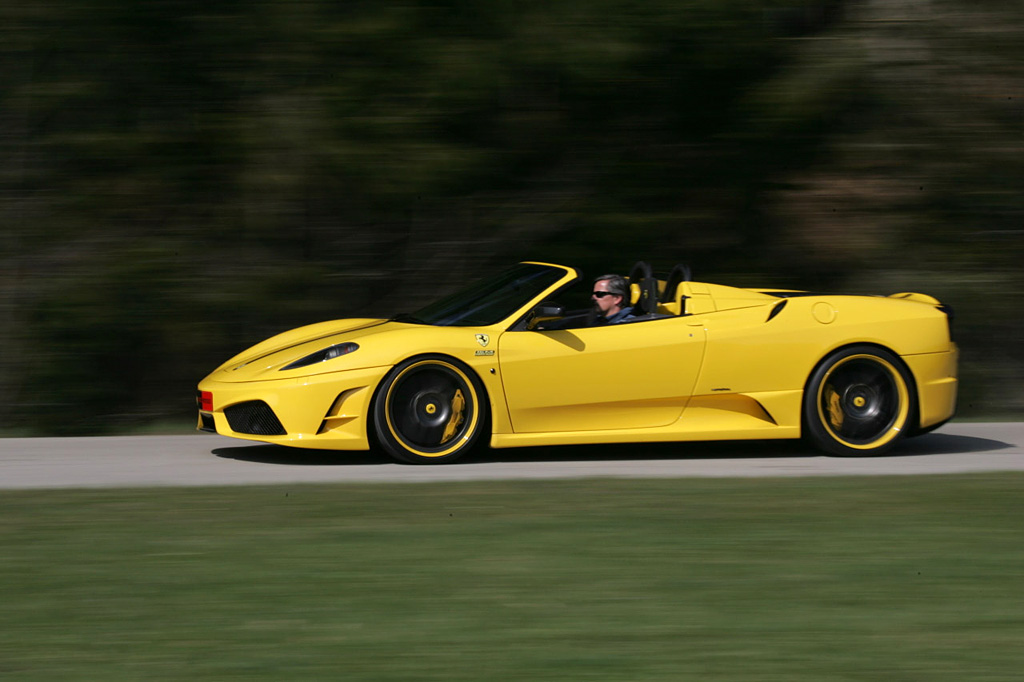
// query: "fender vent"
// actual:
[[254, 418], [776, 310]]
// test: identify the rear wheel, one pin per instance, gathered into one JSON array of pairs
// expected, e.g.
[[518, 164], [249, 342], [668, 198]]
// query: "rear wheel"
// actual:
[[429, 410], [859, 401]]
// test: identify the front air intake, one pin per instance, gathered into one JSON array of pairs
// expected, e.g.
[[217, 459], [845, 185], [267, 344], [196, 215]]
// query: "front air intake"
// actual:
[[254, 418]]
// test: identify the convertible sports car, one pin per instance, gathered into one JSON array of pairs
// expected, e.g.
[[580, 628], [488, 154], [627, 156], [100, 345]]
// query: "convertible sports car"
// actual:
[[503, 361]]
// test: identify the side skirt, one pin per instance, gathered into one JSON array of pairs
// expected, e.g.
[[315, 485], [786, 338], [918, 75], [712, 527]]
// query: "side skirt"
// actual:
[[731, 416]]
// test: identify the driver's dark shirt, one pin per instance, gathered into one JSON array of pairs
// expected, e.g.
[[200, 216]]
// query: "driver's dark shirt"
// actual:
[[621, 316]]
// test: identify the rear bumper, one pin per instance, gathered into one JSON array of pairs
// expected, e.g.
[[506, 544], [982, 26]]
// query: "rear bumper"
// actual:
[[937, 385], [329, 411]]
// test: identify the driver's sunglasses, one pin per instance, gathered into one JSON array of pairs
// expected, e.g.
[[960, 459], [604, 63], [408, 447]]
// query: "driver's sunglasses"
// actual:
[[602, 294]]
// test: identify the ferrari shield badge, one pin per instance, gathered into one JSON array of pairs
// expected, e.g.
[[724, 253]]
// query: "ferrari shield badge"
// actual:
[[483, 339]]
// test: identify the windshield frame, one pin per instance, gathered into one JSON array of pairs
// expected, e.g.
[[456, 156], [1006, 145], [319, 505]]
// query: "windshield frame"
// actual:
[[493, 300]]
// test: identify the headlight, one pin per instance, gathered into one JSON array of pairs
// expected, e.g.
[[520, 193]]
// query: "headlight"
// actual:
[[328, 353]]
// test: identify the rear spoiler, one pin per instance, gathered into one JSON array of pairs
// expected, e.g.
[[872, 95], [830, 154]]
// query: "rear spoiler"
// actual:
[[929, 300], [914, 296]]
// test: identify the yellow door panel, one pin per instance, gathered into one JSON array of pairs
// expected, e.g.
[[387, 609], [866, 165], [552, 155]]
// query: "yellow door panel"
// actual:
[[624, 376]]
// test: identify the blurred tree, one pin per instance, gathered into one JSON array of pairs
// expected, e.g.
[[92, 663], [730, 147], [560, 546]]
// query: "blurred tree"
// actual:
[[182, 179]]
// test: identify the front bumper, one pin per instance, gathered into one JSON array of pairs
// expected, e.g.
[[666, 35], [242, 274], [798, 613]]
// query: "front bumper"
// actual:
[[329, 411]]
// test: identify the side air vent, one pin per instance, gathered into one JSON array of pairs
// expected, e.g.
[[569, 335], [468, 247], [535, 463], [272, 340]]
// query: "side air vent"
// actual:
[[254, 418], [776, 310]]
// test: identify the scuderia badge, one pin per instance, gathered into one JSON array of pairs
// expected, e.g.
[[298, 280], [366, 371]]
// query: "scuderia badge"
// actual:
[[483, 340]]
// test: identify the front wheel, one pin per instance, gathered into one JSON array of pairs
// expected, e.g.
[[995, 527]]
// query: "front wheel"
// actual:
[[429, 410], [859, 401]]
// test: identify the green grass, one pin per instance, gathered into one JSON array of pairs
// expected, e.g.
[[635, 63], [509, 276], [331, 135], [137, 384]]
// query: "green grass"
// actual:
[[799, 579]]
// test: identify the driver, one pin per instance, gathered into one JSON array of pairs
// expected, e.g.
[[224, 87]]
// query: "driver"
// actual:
[[611, 298]]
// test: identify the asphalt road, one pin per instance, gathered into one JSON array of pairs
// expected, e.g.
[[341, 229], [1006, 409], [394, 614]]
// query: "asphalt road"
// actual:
[[204, 459]]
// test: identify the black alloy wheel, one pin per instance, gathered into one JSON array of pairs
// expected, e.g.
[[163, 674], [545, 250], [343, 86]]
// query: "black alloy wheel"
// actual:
[[859, 401], [429, 410]]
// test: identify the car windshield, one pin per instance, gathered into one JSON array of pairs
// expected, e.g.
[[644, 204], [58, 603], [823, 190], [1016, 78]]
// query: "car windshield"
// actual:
[[488, 301]]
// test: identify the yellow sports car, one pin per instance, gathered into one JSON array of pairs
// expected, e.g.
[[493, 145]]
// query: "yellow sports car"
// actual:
[[503, 362]]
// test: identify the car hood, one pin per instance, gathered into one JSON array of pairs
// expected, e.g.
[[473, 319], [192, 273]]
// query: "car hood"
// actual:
[[382, 343], [265, 360]]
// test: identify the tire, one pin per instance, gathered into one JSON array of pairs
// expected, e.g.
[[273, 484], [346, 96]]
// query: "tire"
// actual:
[[429, 410], [859, 401]]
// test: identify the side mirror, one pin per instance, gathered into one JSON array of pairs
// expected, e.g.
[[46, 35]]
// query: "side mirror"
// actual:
[[545, 312]]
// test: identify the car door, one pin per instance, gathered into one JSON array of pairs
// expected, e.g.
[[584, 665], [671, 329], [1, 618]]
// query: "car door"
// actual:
[[626, 376]]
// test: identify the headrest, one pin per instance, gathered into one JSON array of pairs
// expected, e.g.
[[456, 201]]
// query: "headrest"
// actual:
[[643, 289], [680, 273]]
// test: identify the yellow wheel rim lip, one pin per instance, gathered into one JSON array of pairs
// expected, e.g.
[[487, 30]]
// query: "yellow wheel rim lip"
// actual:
[[899, 421], [467, 429]]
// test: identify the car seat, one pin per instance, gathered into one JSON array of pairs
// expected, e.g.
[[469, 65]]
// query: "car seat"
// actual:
[[673, 299], [643, 289]]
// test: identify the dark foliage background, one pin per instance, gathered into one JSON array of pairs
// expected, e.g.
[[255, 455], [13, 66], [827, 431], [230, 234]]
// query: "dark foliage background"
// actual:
[[180, 179]]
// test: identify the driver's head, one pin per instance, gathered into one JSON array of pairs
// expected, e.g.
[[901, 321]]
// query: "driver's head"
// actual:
[[610, 294]]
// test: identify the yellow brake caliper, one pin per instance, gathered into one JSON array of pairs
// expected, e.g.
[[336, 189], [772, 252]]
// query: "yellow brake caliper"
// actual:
[[458, 408], [835, 412]]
